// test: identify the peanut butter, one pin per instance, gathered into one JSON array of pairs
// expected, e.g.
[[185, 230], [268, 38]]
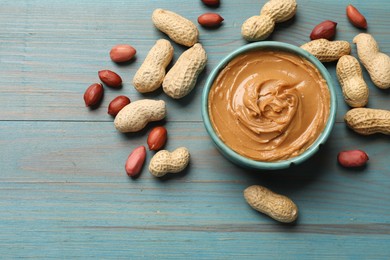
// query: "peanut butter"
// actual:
[[269, 105]]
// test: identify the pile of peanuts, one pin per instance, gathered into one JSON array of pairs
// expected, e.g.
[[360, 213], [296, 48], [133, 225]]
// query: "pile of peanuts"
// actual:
[[151, 75], [181, 79], [365, 121]]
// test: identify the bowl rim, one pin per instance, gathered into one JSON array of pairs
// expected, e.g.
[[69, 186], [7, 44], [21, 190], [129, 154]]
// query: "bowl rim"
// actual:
[[244, 161]]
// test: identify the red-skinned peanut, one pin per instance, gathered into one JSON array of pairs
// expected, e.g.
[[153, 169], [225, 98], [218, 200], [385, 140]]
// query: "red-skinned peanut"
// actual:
[[324, 30], [211, 2], [93, 94], [110, 78], [135, 161], [355, 17], [210, 20], [117, 104], [157, 138], [352, 158], [122, 53]]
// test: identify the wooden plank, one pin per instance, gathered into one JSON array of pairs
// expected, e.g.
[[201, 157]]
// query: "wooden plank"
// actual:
[[64, 185], [50, 53], [63, 189], [124, 244]]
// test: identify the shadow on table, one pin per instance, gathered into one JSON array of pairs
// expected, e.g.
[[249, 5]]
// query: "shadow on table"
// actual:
[[296, 176]]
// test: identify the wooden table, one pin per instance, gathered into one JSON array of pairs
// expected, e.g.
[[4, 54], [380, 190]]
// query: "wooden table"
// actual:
[[63, 189]]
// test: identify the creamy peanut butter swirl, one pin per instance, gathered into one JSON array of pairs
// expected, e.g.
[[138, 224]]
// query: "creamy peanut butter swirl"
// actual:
[[269, 106]]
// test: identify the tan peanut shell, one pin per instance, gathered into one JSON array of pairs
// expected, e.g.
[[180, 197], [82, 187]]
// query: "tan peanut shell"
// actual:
[[150, 75], [276, 206], [136, 115], [164, 162], [376, 63], [327, 51], [349, 73], [367, 121], [279, 10], [259, 27], [178, 28], [181, 78]]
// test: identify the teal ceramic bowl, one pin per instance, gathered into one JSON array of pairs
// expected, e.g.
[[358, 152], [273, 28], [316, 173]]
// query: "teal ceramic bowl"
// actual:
[[250, 163]]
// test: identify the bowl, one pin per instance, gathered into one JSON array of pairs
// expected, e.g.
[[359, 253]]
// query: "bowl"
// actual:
[[268, 165]]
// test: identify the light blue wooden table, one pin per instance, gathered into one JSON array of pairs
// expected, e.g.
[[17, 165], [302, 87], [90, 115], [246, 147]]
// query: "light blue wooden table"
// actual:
[[63, 189]]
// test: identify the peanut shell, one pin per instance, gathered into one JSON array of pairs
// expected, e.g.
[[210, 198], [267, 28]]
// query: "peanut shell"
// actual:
[[150, 75], [368, 121], [276, 206], [327, 51], [182, 77], [164, 162], [376, 63], [257, 28], [178, 28], [136, 115], [349, 73], [279, 10]]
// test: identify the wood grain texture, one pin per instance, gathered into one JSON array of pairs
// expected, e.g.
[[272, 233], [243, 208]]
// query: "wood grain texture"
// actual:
[[63, 189], [52, 52]]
